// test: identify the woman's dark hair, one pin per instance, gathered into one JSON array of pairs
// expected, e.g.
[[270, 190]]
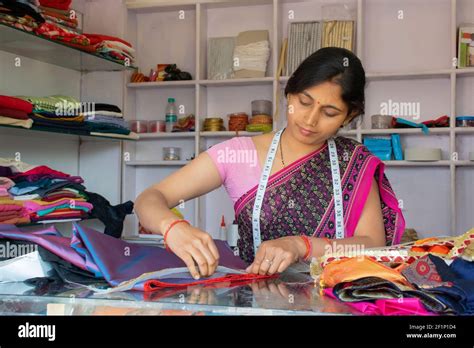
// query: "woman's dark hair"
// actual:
[[334, 64]]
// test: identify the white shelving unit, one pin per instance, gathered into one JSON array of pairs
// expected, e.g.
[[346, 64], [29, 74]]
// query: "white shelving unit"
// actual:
[[401, 63]]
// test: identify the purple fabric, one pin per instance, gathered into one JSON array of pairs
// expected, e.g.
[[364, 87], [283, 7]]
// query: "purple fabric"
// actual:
[[120, 261], [5, 171], [50, 239], [111, 258]]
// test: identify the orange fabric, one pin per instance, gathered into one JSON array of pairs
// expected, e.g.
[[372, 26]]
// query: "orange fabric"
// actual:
[[358, 267]]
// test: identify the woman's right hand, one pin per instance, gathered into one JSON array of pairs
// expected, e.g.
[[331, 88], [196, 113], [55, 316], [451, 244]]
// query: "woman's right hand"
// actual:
[[195, 247]]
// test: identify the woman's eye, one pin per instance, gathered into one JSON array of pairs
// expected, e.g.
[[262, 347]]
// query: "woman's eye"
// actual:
[[305, 104], [329, 114]]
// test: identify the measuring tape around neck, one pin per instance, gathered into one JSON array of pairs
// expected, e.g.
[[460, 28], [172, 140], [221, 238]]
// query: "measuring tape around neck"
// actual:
[[336, 182]]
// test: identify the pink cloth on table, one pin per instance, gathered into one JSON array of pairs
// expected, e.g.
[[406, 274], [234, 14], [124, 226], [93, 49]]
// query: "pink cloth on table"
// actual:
[[32, 206], [10, 207], [237, 162], [409, 306]]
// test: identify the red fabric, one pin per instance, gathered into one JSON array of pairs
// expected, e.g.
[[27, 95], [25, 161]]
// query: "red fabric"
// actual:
[[38, 172], [98, 38], [59, 4], [53, 198], [16, 104], [151, 285], [12, 113]]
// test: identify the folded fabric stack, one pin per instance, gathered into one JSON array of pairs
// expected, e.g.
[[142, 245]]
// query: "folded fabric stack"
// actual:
[[15, 112], [106, 119], [65, 114], [57, 113], [59, 13], [113, 48], [21, 14], [436, 277], [39, 194], [45, 194]]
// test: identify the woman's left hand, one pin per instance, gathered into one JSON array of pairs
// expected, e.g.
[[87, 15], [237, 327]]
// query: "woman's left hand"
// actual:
[[274, 256]]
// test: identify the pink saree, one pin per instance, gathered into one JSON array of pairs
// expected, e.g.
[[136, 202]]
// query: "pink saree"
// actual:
[[299, 198]]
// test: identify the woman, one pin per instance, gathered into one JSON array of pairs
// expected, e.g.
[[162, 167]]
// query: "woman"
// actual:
[[297, 214]]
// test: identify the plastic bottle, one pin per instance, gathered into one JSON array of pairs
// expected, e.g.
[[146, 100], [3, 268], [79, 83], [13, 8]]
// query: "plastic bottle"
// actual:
[[171, 115], [223, 230]]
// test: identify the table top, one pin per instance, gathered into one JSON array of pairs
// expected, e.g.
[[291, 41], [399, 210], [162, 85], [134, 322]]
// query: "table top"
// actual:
[[292, 293]]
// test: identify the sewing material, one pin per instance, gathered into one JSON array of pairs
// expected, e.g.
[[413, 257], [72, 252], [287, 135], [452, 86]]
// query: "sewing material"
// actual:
[[261, 107], [139, 126], [380, 147], [265, 128], [397, 147], [465, 121], [422, 154], [338, 34], [156, 126], [171, 153], [222, 230], [220, 58], [381, 121], [251, 54], [261, 119], [213, 124], [185, 124], [238, 121], [304, 38]]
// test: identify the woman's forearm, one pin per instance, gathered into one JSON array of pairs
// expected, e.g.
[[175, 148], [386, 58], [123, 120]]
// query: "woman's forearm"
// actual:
[[153, 211], [321, 246]]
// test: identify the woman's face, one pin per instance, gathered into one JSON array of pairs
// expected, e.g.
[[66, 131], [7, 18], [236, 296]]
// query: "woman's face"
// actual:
[[315, 114]]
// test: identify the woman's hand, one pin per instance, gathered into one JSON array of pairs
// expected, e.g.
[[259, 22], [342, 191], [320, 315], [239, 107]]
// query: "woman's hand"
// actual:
[[194, 247], [274, 256]]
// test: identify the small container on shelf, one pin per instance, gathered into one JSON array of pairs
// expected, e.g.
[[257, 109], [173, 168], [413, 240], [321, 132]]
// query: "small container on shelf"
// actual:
[[238, 121], [471, 156], [381, 121], [139, 126], [171, 153], [261, 107], [465, 121], [156, 127]]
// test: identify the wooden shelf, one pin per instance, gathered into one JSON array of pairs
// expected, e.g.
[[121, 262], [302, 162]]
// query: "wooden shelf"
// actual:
[[149, 136], [238, 82], [156, 163], [227, 134], [162, 84], [53, 52]]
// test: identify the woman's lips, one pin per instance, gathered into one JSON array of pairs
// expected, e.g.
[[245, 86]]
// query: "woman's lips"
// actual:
[[305, 132]]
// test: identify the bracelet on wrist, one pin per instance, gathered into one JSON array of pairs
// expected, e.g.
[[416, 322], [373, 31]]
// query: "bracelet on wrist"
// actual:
[[165, 235]]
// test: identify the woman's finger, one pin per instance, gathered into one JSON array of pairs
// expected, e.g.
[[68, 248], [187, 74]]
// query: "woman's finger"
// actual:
[[276, 264], [213, 249], [200, 260], [189, 261], [284, 265], [211, 260]]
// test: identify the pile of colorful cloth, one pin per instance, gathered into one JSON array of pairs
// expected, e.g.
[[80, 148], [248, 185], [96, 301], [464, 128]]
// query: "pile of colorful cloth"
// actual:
[[56, 21], [429, 277], [39, 194], [64, 114]]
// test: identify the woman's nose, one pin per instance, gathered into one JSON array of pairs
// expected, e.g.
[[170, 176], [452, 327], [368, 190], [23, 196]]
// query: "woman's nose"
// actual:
[[311, 119]]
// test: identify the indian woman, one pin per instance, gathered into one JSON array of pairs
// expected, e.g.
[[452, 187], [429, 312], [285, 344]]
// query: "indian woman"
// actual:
[[287, 201]]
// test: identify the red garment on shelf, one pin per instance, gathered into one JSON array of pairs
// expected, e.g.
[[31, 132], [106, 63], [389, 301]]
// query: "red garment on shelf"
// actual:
[[16, 104], [98, 38], [58, 4], [39, 172], [12, 113]]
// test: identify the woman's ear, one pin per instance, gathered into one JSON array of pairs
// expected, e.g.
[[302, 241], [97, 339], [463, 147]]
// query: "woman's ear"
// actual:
[[350, 117]]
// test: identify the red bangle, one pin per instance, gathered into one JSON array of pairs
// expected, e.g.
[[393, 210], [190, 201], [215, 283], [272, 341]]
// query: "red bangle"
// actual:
[[309, 247], [169, 228]]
